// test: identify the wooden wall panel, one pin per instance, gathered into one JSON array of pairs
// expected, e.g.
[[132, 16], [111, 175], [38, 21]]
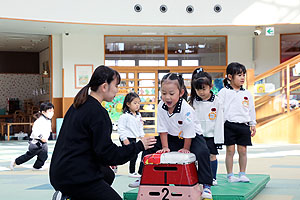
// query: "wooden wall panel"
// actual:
[[272, 107], [284, 130], [57, 102], [67, 102]]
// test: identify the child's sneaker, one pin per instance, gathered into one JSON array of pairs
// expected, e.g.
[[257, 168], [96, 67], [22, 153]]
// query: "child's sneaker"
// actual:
[[206, 194], [215, 182], [233, 179], [40, 169], [244, 179], [135, 184], [12, 164], [134, 175]]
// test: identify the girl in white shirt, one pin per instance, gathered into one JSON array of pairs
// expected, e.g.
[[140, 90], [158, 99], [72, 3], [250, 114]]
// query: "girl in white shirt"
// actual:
[[130, 126], [179, 130], [38, 139], [209, 112], [239, 116]]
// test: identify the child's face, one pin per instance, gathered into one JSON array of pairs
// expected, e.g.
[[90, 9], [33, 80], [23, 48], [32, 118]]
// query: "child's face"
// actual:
[[170, 93], [111, 91], [49, 113], [134, 105], [204, 93], [238, 80]]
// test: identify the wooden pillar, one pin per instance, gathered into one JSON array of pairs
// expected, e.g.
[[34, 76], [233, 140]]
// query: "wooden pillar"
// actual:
[[250, 80]]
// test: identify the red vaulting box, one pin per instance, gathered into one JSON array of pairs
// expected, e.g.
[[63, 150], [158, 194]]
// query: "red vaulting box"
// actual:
[[170, 168]]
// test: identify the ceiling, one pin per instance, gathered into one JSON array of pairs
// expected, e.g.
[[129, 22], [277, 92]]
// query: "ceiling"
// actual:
[[32, 36]]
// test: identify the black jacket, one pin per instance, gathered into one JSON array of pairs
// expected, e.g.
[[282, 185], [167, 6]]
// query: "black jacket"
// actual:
[[84, 144]]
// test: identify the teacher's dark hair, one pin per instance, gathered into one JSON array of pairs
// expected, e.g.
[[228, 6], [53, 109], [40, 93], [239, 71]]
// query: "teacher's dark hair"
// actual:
[[102, 74]]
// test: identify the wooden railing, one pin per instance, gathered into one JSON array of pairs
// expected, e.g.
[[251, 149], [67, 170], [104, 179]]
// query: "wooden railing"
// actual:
[[271, 105]]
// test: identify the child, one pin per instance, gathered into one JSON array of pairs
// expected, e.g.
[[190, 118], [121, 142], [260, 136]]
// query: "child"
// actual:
[[239, 116], [130, 126], [84, 149], [179, 130], [209, 112], [38, 139]]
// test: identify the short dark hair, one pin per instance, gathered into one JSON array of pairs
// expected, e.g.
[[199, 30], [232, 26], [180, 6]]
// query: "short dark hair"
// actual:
[[46, 106], [128, 99]]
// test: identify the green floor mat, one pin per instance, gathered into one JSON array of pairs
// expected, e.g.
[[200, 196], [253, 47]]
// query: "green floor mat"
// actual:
[[227, 191]]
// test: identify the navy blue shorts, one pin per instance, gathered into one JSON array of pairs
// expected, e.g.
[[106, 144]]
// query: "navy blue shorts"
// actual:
[[211, 145], [237, 133]]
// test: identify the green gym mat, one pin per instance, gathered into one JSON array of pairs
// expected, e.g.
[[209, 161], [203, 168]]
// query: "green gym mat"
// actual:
[[225, 190]]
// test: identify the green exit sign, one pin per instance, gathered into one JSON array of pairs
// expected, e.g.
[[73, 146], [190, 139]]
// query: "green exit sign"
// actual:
[[270, 31]]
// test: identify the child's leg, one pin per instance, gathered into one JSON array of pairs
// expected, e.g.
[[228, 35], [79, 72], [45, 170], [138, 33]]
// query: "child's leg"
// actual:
[[242, 151], [199, 148], [41, 157], [33, 150], [214, 165], [133, 160], [230, 149]]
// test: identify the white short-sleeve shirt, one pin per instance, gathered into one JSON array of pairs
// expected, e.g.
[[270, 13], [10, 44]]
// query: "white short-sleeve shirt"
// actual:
[[182, 122]]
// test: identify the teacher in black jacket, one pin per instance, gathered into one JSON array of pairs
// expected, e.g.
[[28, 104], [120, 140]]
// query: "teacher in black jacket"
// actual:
[[84, 149]]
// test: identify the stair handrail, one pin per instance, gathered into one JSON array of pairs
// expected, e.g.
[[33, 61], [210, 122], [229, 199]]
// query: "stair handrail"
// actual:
[[291, 62], [278, 89]]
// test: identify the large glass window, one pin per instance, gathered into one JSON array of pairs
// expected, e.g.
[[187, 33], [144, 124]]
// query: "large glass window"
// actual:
[[150, 51], [134, 51], [197, 51]]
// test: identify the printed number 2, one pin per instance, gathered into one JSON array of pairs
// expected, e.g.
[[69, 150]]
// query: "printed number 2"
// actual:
[[167, 193]]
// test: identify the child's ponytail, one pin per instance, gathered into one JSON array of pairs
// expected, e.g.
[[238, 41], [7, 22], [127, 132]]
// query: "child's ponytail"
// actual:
[[226, 82]]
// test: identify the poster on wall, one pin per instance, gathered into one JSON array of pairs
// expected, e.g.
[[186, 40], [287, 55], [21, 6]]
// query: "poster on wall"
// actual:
[[83, 74]]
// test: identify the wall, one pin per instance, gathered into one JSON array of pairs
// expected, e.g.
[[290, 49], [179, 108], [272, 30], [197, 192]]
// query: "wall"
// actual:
[[89, 49], [267, 50], [108, 12], [18, 86], [57, 65], [240, 50], [80, 49]]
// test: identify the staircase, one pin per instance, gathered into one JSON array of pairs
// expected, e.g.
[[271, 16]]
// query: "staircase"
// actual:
[[278, 122]]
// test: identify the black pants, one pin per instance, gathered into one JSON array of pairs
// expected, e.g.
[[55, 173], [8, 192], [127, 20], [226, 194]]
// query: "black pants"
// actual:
[[133, 160], [97, 190], [198, 147], [39, 149]]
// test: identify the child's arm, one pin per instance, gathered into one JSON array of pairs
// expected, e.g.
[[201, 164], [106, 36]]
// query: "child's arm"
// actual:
[[252, 116], [253, 130], [164, 143], [186, 146], [122, 129]]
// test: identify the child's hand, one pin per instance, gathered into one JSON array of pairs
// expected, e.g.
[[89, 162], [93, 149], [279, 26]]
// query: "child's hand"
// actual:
[[43, 140], [164, 150], [126, 142], [253, 130], [183, 150], [148, 142]]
